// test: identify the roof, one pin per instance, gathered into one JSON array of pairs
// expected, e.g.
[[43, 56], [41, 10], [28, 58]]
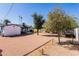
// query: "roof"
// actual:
[[13, 24], [2, 25]]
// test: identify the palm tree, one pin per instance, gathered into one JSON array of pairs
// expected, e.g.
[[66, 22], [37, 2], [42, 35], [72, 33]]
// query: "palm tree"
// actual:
[[6, 21], [59, 22], [38, 22]]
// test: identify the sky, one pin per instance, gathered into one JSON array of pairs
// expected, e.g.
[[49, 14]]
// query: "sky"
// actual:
[[26, 10]]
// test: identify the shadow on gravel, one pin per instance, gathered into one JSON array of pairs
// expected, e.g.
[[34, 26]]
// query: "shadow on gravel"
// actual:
[[48, 35], [69, 45], [0, 52], [19, 35], [68, 42]]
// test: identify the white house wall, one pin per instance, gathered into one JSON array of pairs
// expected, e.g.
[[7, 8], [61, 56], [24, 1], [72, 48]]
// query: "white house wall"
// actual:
[[11, 30], [0, 29]]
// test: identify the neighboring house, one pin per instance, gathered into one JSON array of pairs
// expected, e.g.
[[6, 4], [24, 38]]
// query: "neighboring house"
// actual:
[[14, 29], [76, 33], [0, 27], [11, 30], [28, 29]]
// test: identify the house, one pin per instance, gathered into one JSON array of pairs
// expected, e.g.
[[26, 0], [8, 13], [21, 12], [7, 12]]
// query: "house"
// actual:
[[1, 27], [26, 29], [11, 30], [15, 29], [76, 32], [30, 29]]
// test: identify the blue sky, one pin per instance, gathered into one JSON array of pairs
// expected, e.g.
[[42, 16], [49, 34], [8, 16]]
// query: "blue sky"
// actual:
[[26, 10]]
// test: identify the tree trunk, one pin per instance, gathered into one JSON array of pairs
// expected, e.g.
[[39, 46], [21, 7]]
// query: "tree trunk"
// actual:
[[37, 31], [59, 37], [72, 38]]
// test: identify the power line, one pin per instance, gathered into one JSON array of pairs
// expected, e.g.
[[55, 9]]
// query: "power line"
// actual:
[[9, 10]]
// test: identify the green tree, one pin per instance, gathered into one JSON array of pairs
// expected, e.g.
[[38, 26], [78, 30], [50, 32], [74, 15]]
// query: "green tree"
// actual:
[[6, 21], [38, 22], [24, 28], [55, 22], [70, 22], [59, 22], [24, 25]]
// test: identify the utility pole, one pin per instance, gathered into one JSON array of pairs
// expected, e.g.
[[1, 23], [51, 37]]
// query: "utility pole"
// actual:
[[20, 19]]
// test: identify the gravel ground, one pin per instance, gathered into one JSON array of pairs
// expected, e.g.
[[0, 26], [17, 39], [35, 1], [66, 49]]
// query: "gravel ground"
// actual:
[[21, 45], [54, 49]]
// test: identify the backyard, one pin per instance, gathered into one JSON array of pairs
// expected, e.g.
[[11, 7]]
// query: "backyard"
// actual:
[[37, 45], [30, 33], [52, 48]]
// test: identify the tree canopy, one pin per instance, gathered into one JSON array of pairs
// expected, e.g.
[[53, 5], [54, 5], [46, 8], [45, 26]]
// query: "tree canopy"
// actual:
[[59, 22], [38, 21], [6, 21]]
